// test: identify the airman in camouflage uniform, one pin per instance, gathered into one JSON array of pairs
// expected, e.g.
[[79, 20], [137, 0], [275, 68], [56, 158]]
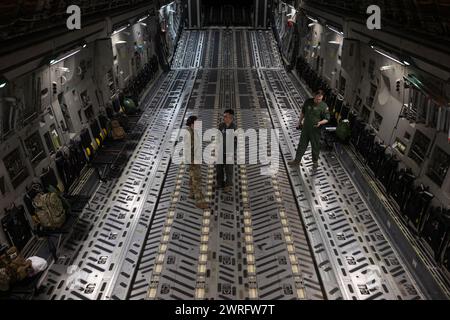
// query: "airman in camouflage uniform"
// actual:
[[195, 171]]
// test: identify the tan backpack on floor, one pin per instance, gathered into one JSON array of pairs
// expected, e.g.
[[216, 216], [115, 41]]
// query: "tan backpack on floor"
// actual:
[[117, 130], [49, 210]]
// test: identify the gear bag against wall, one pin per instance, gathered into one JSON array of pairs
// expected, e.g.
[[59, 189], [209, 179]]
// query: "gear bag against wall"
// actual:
[[343, 131], [16, 226], [436, 230], [13, 268], [117, 131], [49, 210]]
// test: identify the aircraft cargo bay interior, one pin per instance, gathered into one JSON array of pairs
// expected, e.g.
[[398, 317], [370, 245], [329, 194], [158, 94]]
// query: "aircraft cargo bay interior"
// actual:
[[225, 150]]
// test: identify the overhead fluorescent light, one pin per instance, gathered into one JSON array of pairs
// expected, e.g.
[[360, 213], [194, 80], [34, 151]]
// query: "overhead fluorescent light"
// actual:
[[65, 57], [311, 24], [384, 68], [406, 63], [144, 24], [312, 19], [120, 30], [64, 69], [142, 19], [334, 42], [335, 30], [84, 45], [384, 54], [3, 82]]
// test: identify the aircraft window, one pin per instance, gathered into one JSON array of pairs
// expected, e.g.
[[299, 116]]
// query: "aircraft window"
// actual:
[[419, 147], [34, 146], [16, 168], [376, 121], [438, 166]]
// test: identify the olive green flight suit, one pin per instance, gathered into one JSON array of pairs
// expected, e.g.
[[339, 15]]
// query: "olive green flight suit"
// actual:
[[195, 175], [312, 114]]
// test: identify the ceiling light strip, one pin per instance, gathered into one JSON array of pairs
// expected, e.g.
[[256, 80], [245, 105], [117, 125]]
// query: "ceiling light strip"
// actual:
[[120, 30], [388, 56], [335, 30], [65, 57]]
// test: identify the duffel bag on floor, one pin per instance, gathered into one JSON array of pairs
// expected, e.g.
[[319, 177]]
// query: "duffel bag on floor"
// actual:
[[343, 131], [49, 210]]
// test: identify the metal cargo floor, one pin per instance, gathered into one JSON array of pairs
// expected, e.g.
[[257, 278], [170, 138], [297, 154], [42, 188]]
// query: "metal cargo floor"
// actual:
[[297, 234]]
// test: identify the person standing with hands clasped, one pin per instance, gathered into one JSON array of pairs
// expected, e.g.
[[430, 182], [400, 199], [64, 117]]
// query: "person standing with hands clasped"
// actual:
[[225, 168], [314, 115], [195, 169]]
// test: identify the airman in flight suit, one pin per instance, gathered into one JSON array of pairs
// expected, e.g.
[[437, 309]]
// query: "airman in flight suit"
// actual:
[[314, 114]]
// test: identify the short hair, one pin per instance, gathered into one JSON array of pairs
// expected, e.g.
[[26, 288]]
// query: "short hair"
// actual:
[[318, 92], [229, 111], [191, 120]]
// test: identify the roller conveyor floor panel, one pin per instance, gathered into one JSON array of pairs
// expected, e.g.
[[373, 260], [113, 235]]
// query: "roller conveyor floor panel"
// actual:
[[298, 234]]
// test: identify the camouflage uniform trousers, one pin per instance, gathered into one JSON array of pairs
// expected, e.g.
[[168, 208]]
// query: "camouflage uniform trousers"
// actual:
[[195, 183]]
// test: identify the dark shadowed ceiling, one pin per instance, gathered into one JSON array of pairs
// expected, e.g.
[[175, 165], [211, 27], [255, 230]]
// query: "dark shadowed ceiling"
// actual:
[[25, 17], [420, 16]]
